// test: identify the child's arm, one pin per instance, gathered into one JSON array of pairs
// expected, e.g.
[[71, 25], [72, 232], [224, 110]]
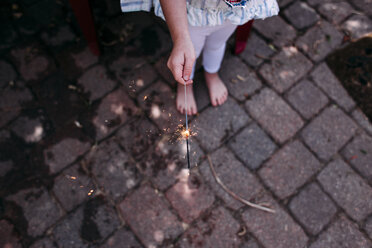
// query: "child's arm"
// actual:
[[182, 57]]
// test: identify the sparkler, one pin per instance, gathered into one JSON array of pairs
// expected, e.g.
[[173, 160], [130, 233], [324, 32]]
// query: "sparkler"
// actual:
[[187, 134]]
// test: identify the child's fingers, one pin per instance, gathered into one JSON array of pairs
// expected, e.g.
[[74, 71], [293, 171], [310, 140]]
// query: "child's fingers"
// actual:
[[187, 69]]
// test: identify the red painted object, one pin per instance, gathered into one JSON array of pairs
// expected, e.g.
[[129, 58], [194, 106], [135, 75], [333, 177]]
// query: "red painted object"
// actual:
[[241, 36], [84, 17]]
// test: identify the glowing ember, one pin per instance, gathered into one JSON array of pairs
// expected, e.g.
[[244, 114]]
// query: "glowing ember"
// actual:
[[91, 192], [186, 134]]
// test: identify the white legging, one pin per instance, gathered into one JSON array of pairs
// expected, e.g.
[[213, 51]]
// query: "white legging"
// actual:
[[212, 40]]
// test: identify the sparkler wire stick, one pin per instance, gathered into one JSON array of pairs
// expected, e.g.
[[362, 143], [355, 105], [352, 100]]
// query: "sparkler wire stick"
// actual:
[[187, 134]]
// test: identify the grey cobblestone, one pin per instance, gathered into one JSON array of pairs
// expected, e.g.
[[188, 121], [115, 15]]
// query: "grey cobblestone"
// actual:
[[328, 132], [274, 115], [306, 98], [368, 227], [347, 188], [362, 120], [359, 154], [233, 174], [252, 146], [285, 69], [44, 243], [301, 15], [326, 80], [335, 12], [122, 239], [30, 130], [364, 5], [358, 26], [319, 41], [289, 168], [313, 208], [342, 232]]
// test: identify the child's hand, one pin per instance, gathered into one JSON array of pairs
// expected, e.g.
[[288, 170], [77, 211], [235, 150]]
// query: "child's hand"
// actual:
[[181, 61]]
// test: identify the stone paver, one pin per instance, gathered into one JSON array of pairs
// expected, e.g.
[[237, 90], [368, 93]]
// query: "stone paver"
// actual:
[[277, 30], [249, 244], [342, 232], [113, 169], [123, 239], [359, 154], [216, 125], [319, 41], [44, 243], [347, 188], [257, 51], [327, 81], [252, 146], [96, 82], [364, 5], [313, 208], [301, 15], [73, 187], [153, 222], [234, 175], [39, 209], [368, 226], [289, 168], [274, 230], [64, 153], [8, 239], [328, 132], [307, 99], [30, 130], [218, 229], [285, 68], [190, 196], [241, 82], [274, 115], [358, 26], [115, 109], [335, 12], [362, 120]]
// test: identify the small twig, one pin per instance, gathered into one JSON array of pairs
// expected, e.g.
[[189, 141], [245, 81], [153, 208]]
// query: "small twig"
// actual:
[[235, 196]]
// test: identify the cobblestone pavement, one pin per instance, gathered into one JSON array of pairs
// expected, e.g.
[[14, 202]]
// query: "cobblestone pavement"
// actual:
[[90, 155]]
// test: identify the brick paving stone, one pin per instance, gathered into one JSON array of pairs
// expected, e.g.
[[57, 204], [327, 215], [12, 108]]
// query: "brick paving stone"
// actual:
[[364, 5], [252, 146], [5, 167], [326, 80], [64, 153], [72, 187], [115, 109], [313, 208], [359, 154], [277, 30], [234, 175], [39, 209], [89, 224], [44, 243], [257, 51], [335, 12], [328, 132], [368, 227], [32, 62], [215, 125], [347, 188], [307, 99], [58, 36], [148, 215], [342, 233], [8, 239], [159, 103], [285, 69], [12, 100], [219, 229], [30, 130], [240, 81], [113, 169], [274, 230], [358, 26], [122, 239], [362, 120], [7, 73], [274, 115], [289, 168], [96, 83], [319, 41], [190, 196], [301, 15]]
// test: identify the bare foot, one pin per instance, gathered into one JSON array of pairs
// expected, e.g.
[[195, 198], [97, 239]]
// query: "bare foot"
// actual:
[[217, 89], [180, 102]]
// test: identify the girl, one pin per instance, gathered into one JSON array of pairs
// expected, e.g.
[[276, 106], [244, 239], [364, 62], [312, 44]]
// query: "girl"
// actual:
[[197, 25]]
